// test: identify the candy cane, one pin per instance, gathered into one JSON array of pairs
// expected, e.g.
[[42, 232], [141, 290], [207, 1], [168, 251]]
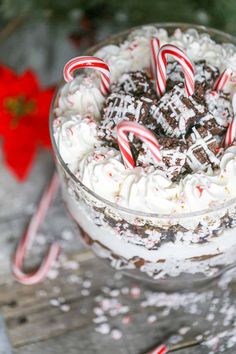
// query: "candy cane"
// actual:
[[155, 46], [223, 80], [184, 61], [25, 243], [89, 62], [125, 127], [230, 134], [162, 349], [231, 131]]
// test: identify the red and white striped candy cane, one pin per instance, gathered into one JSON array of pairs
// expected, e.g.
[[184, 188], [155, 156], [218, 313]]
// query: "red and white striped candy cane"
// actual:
[[181, 57], [162, 349], [26, 241], [230, 134], [144, 134], [223, 80], [155, 46], [89, 62]]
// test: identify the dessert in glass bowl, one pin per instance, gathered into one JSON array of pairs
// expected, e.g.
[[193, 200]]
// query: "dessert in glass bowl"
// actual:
[[169, 216]]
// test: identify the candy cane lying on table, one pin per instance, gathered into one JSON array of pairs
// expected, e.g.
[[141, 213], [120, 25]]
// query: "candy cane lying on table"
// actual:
[[144, 134], [26, 241], [184, 61], [89, 62], [155, 46], [162, 349], [223, 80]]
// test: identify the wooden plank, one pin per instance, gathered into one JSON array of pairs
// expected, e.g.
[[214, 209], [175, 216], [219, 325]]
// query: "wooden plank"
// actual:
[[5, 346], [35, 325]]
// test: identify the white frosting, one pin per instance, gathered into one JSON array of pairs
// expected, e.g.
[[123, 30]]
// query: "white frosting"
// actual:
[[102, 172], [133, 54], [201, 191], [118, 60], [75, 135], [82, 95], [148, 192]]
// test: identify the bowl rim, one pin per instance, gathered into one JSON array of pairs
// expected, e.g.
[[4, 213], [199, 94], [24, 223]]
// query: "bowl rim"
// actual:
[[136, 213]]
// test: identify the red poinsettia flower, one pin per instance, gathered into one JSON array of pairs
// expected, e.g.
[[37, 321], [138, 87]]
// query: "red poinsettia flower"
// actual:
[[24, 111]]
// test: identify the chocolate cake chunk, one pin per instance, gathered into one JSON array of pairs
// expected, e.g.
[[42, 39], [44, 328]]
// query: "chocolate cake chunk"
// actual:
[[205, 73], [205, 76], [203, 150], [135, 83], [148, 120], [173, 151], [117, 108], [176, 113], [138, 84], [220, 113]]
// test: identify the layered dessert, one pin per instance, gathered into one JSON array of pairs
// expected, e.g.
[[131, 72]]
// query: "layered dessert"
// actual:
[[169, 218]]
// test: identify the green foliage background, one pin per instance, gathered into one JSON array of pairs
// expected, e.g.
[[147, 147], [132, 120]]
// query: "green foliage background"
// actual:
[[118, 14]]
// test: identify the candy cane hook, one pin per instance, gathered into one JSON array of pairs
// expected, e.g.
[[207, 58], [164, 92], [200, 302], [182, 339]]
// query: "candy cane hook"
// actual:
[[25, 243], [181, 57], [144, 134], [89, 62]]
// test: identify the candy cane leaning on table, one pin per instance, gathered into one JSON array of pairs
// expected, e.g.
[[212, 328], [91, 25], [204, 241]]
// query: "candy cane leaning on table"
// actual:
[[89, 62], [26, 241], [155, 46], [144, 134], [184, 61]]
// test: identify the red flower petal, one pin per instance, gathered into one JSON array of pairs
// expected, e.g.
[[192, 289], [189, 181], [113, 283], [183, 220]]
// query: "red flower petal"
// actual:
[[6, 74], [19, 151], [41, 116], [24, 103], [26, 85]]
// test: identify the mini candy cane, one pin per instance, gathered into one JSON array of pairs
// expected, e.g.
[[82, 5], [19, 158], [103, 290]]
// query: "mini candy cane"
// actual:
[[125, 127], [231, 131], [155, 46], [88, 62], [184, 61], [223, 80], [230, 134], [25, 243]]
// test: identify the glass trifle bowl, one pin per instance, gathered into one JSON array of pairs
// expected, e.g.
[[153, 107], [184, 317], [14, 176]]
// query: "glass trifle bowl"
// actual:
[[172, 233]]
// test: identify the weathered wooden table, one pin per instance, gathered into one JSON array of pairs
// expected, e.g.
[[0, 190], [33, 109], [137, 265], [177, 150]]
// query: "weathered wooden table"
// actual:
[[84, 306]]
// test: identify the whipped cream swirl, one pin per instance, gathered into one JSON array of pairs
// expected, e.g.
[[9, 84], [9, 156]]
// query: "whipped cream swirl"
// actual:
[[75, 135], [82, 95], [102, 171]]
